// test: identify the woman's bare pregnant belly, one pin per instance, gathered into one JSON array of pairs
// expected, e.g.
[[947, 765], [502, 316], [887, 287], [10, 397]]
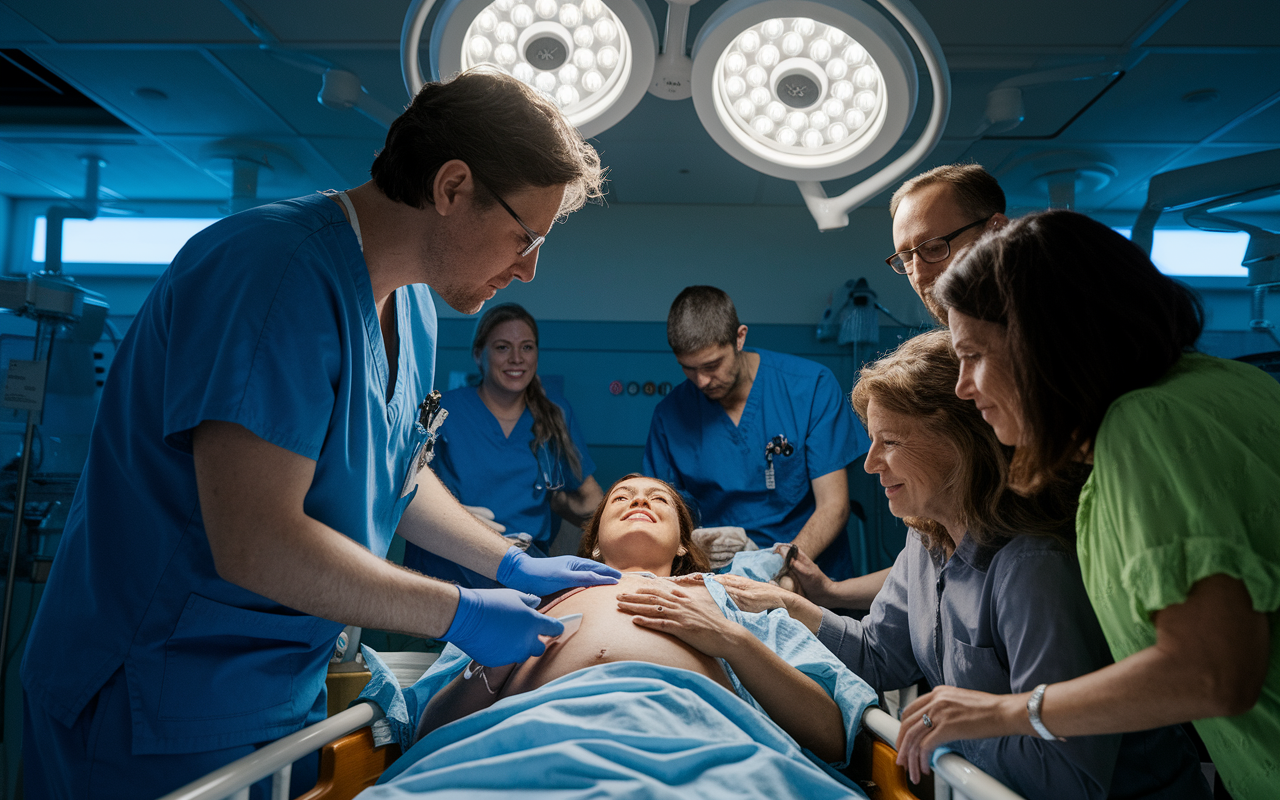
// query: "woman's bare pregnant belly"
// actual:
[[607, 635]]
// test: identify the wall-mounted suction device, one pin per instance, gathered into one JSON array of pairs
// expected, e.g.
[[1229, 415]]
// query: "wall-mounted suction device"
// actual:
[[54, 301], [814, 90], [593, 58]]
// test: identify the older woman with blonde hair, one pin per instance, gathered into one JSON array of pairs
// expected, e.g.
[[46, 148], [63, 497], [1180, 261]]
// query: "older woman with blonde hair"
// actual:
[[987, 592]]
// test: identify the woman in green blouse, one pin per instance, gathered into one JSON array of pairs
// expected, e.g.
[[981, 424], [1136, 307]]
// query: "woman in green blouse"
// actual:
[[1076, 349]]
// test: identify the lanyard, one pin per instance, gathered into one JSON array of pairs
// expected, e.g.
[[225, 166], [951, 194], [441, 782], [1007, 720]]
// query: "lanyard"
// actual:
[[351, 214]]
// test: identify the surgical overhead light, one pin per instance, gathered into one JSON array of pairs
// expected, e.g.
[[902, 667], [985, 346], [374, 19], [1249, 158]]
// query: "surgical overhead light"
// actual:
[[594, 59], [805, 90], [802, 90]]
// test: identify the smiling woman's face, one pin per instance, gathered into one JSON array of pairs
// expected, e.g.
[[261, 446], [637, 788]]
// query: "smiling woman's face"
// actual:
[[640, 527]]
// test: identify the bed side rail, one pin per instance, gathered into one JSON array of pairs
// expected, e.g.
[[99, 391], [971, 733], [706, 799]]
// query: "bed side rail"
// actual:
[[232, 782], [954, 777]]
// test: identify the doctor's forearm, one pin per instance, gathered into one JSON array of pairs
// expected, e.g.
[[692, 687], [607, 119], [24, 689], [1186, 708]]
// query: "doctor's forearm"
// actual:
[[821, 530], [252, 504], [312, 568], [436, 522]]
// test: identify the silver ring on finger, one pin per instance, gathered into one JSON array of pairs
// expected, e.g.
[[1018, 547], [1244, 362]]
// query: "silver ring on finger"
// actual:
[[928, 723]]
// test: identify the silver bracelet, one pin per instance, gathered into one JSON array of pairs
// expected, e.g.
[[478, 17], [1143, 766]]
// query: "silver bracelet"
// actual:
[[1033, 713]]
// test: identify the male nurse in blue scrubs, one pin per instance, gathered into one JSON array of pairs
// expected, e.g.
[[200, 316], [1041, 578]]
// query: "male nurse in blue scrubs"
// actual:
[[262, 435], [759, 439]]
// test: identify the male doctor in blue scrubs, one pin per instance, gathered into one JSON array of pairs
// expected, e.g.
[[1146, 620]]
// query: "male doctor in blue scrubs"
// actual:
[[760, 440], [261, 436]]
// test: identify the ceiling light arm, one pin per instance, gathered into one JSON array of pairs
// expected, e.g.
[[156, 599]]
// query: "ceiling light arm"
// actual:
[[340, 89], [673, 69], [1261, 257], [410, 39], [1214, 183], [831, 213], [1005, 109]]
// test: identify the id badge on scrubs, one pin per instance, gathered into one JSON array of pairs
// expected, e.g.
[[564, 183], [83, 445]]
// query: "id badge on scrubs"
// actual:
[[430, 417]]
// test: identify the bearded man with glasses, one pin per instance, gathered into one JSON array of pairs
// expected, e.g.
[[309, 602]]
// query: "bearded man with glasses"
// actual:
[[935, 215]]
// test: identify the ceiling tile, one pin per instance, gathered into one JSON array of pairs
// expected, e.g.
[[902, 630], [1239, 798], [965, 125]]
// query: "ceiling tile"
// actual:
[[290, 90], [1017, 23], [332, 20], [15, 31], [1232, 23], [199, 95], [1147, 105], [135, 171], [134, 21]]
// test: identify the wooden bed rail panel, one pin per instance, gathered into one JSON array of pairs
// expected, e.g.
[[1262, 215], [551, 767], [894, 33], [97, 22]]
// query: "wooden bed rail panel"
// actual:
[[350, 765]]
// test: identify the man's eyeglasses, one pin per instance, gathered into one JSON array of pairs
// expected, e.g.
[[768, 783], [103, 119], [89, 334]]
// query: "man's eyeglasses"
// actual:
[[535, 238], [931, 251]]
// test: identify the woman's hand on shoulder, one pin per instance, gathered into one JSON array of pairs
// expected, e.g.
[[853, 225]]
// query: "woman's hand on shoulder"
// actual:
[[753, 596], [686, 611]]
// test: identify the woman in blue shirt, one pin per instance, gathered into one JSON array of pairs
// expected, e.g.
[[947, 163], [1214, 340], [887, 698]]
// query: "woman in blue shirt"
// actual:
[[510, 451]]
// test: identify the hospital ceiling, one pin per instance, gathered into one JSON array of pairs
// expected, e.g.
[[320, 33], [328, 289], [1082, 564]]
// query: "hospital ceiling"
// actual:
[[187, 86]]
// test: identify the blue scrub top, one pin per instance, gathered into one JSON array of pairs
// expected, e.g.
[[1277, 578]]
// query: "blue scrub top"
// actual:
[[694, 446], [484, 467], [265, 319]]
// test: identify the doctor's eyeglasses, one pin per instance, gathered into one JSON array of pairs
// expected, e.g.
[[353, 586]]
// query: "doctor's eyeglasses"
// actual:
[[535, 238], [931, 251]]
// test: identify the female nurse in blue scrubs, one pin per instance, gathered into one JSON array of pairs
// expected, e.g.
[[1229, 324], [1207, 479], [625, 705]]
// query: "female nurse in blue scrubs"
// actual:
[[510, 451]]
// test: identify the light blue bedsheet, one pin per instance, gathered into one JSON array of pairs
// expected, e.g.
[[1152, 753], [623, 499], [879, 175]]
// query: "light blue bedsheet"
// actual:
[[622, 729]]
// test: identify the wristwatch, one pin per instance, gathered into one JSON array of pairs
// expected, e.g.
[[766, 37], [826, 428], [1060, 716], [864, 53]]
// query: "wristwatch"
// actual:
[[1033, 713]]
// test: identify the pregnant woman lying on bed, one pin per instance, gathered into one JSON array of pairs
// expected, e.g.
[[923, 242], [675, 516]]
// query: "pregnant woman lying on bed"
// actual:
[[665, 683]]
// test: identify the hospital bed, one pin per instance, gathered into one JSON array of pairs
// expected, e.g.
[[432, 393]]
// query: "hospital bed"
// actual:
[[349, 762]]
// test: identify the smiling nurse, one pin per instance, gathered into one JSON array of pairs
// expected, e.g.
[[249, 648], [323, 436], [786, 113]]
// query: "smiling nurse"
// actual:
[[510, 451]]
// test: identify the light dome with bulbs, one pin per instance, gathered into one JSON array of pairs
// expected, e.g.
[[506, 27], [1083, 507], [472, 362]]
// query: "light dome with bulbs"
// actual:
[[802, 90], [593, 59]]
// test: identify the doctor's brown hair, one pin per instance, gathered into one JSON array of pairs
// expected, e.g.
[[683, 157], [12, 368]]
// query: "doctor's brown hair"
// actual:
[[919, 380], [701, 317], [694, 560], [1088, 318], [511, 137], [549, 424]]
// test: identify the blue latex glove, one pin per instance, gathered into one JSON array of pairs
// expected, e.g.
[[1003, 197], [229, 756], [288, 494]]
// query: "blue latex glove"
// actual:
[[499, 626], [542, 576]]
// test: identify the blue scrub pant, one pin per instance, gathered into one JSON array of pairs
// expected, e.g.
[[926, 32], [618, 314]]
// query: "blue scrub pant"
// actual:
[[94, 760]]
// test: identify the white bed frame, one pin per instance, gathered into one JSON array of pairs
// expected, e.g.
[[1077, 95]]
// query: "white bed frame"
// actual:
[[954, 777]]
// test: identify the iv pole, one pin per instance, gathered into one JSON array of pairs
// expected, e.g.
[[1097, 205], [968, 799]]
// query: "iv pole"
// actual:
[[53, 300]]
